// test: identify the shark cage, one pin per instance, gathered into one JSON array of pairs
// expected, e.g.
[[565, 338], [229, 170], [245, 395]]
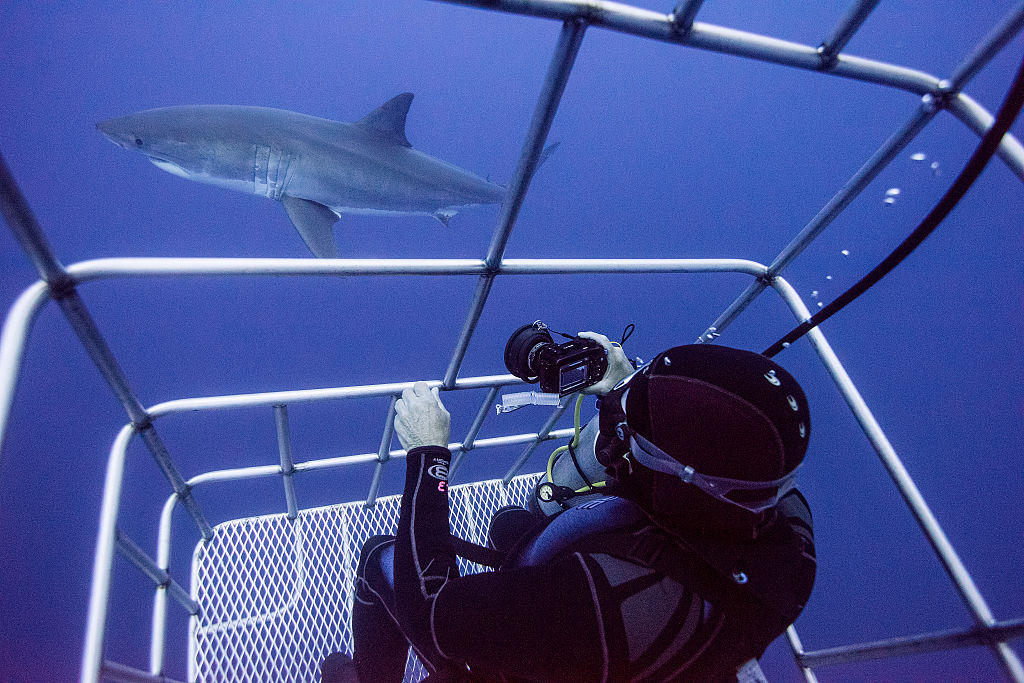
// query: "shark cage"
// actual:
[[270, 596]]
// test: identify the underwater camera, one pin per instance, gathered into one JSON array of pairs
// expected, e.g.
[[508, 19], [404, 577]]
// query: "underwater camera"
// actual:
[[531, 354]]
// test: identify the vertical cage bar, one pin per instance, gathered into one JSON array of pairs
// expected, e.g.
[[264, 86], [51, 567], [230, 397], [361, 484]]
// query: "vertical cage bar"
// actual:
[[947, 555], [158, 636], [103, 559], [383, 453], [12, 346], [476, 308], [798, 651], [284, 448]]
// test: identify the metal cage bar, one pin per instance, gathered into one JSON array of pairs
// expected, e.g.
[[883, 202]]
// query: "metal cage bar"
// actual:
[[844, 30], [684, 14], [1001, 34], [160, 577], [798, 650], [61, 285], [649, 24], [284, 448], [474, 429], [383, 453], [1000, 631]]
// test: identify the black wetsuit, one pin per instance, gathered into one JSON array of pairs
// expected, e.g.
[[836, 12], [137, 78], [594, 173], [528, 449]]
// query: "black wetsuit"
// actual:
[[599, 593]]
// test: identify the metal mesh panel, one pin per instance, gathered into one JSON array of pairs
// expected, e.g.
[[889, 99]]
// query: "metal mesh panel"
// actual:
[[275, 594]]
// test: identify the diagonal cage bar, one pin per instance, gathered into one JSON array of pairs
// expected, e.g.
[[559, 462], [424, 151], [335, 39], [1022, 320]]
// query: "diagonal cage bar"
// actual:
[[160, 577], [844, 30], [23, 224], [383, 453], [474, 429], [569, 40], [1000, 35]]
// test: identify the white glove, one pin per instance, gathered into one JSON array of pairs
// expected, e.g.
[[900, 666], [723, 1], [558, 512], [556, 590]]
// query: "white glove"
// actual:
[[421, 419], [619, 367]]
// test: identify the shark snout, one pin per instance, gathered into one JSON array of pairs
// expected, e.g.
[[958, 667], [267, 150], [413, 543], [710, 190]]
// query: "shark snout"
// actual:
[[117, 134]]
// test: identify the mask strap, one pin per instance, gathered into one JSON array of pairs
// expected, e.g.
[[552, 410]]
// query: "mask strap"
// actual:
[[652, 457]]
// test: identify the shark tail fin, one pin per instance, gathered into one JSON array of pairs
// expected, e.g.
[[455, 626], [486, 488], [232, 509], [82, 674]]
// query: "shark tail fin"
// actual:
[[315, 222], [445, 215]]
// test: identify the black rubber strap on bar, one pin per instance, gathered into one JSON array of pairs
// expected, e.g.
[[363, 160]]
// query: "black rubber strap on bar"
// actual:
[[488, 557], [1007, 114]]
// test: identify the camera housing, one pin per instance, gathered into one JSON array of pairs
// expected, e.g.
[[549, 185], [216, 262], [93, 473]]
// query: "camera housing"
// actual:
[[533, 356]]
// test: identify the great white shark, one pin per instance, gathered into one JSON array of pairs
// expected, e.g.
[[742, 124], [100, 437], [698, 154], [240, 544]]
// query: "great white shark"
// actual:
[[316, 167]]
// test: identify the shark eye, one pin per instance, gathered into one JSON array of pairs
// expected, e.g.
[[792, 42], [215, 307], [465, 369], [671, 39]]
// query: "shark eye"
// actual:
[[138, 142]]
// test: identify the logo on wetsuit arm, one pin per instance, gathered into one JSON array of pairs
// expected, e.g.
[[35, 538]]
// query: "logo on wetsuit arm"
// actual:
[[439, 470]]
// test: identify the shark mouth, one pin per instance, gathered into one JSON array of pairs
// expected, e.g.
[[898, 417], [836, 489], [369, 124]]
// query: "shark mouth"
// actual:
[[170, 167]]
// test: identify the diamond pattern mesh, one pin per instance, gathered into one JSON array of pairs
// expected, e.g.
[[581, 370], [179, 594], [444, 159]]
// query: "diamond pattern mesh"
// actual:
[[275, 595]]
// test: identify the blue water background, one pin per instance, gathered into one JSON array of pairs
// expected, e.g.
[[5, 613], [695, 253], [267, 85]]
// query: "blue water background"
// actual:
[[665, 152]]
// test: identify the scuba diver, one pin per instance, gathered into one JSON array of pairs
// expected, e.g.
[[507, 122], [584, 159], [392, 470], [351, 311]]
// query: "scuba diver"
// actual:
[[685, 563]]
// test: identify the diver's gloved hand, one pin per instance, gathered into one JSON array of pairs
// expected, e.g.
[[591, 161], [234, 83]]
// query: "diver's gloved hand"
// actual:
[[421, 419], [619, 367]]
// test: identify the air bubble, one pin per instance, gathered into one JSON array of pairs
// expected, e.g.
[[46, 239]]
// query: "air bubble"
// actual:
[[892, 192], [918, 156], [820, 304], [935, 168], [845, 252], [828, 277], [889, 201], [814, 294]]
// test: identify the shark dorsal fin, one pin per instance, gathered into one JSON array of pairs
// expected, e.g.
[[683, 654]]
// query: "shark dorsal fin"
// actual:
[[388, 120]]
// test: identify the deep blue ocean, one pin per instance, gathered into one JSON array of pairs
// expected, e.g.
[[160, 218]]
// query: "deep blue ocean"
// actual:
[[666, 151]]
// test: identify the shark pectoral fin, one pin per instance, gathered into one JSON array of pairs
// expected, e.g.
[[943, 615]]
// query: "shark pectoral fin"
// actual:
[[315, 222], [445, 215], [388, 120]]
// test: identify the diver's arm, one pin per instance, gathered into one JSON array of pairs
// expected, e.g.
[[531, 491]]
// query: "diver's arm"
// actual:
[[518, 622], [424, 560]]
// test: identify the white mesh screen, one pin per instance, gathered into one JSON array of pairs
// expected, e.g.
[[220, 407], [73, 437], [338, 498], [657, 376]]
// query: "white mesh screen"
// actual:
[[275, 595]]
